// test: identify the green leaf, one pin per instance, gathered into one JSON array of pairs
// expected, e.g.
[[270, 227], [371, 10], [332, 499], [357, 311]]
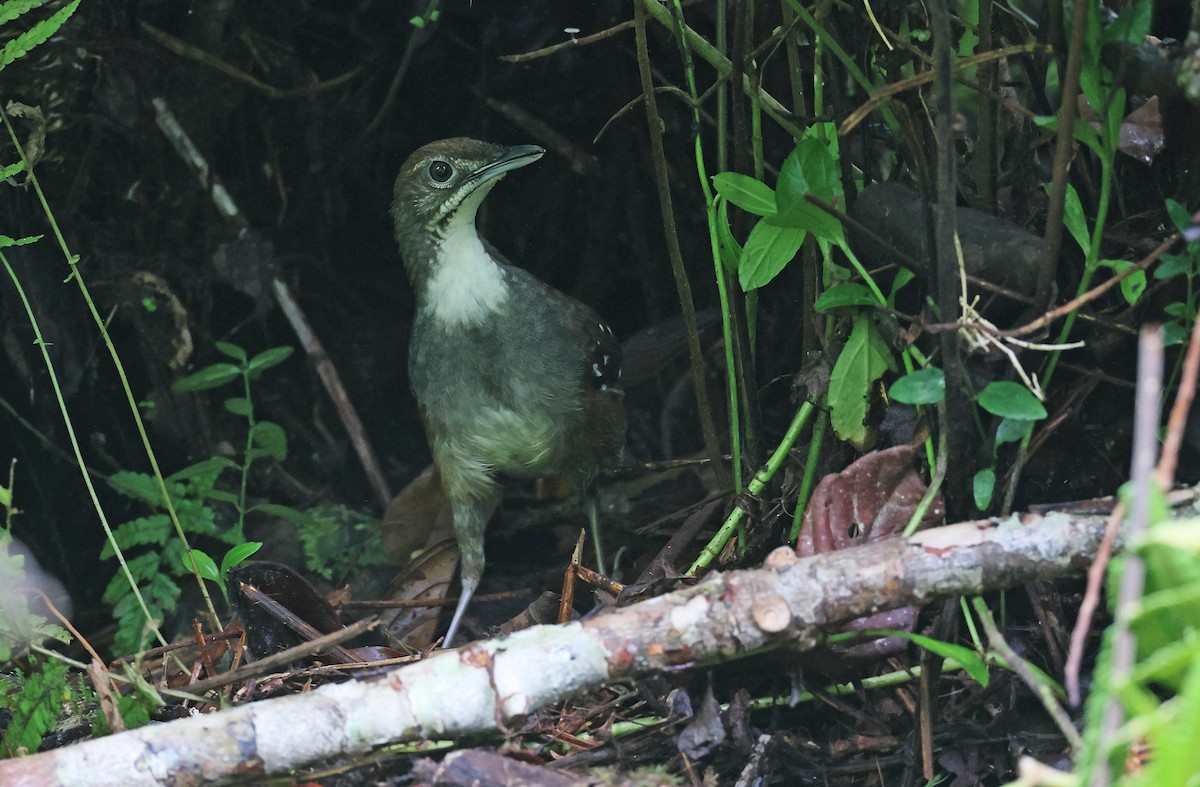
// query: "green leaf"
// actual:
[[231, 350], [752, 196], [982, 487], [6, 241], [221, 496], [204, 564], [11, 169], [1133, 285], [1011, 430], [39, 703], [14, 8], [731, 250], [971, 662], [271, 438], [150, 530], [268, 358], [236, 555], [903, 277], [1173, 333], [1011, 400], [1179, 215], [810, 168], [36, 35], [1170, 265], [848, 294], [239, 405], [1132, 25], [209, 377], [209, 469], [863, 360], [293, 515], [924, 386], [1075, 220], [768, 249]]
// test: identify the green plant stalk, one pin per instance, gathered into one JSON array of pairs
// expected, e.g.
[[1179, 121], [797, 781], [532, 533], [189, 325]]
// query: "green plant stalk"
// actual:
[[710, 212], [87, 479], [810, 473], [246, 457], [682, 283], [1018, 665], [847, 62], [82, 667], [694, 41], [73, 260], [939, 475], [757, 484], [972, 629], [1090, 267], [722, 35]]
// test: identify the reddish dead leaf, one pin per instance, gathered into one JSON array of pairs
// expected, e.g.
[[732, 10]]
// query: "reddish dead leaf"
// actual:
[[869, 501]]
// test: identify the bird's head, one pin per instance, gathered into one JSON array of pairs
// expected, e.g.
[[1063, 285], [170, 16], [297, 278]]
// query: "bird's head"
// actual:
[[441, 185]]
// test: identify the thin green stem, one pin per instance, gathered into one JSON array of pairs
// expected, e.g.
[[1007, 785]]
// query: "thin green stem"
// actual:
[[710, 212], [73, 260], [811, 463], [87, 479], [757, 484]]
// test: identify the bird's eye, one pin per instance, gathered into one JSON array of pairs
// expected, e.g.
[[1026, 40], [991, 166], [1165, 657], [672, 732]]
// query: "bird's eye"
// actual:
[[440, 171]]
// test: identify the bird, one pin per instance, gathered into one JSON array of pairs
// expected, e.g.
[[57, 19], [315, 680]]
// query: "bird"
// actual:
[[512, 377]]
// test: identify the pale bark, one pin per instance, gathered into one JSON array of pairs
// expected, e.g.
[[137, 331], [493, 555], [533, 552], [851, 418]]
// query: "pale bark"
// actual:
[[790, 601]]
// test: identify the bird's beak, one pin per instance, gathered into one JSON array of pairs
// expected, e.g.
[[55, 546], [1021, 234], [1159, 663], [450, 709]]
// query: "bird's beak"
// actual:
[[509, 158]]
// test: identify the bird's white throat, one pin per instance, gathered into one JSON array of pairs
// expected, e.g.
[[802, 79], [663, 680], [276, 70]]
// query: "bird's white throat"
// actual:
[[467, 285]]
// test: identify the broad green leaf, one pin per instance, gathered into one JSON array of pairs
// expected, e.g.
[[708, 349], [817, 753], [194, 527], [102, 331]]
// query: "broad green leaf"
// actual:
[[6, 241], [1179, 216], [293, 515], [1133, 285], [768, 249], [268, 358], [271, 439], [1132, 24], [1170, 265], [1075, 220], [239, 405], [209, 377], [204, 564], [982, 487], [752, 196], [848, 294], [970, 661], [1011, 430], [863, 360], [1011, 400], [212, 467], [924, 386], [232, 351], [236, 555], [810, 168], [903, 277], [1173, 333]]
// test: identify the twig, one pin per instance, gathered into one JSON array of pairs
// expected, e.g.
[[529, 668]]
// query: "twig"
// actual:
[[184, 49], [1099, 289], [1021, 667], [525, 57], [191, 156]]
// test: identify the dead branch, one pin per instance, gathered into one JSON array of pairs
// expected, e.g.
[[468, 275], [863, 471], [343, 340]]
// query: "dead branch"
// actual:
[[790, 602]]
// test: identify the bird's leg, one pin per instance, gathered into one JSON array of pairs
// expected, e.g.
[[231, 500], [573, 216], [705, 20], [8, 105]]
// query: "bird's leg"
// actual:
[[471, 514]]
